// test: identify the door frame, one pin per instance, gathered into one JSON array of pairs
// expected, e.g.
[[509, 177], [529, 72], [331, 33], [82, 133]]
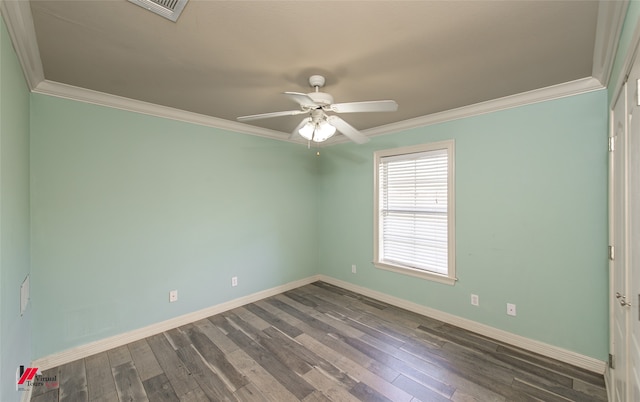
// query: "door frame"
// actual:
[[618, 373], [632, 57]]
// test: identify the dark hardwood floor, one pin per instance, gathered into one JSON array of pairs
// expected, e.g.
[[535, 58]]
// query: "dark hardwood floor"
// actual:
[[320, 343]]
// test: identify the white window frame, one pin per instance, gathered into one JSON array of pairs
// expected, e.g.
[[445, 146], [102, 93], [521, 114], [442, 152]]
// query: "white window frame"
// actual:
[[378, 260]]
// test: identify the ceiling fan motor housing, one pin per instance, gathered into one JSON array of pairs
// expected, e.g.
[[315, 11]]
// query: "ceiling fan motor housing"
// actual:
[[316, 81]]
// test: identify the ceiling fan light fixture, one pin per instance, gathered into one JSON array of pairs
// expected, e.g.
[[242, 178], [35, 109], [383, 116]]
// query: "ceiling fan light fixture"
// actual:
[[323, 132], [317, 131], [307, 130]]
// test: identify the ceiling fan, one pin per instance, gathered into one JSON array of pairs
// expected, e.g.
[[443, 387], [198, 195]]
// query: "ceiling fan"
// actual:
[[318, 126]]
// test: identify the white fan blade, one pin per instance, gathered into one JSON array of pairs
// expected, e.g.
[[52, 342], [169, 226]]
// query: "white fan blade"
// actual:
[[269, 115], [298, 127], [302, 99], [367, 106], [348, 130]]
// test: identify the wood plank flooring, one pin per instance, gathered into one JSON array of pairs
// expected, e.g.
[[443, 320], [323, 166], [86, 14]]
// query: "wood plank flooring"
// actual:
[[320, 343]]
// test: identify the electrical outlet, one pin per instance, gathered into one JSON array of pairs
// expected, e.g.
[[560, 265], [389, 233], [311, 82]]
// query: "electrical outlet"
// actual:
[[353, 269], [173, 296], [234, 281], [475, 300], [511, 309]]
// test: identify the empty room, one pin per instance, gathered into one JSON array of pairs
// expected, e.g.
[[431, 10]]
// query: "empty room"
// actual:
[[319, 201]]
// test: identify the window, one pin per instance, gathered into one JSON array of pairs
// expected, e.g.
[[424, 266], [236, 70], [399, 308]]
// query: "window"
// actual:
[[414, 211]]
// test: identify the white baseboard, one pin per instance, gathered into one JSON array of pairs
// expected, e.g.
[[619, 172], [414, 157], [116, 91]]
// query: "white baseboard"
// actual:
[[89, 349], [531, 345], [102, 345]]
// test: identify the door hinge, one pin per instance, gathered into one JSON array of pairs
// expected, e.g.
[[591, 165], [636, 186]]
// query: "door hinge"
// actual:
[[612, 144], [612, 253], [611, 362], [638, 92]]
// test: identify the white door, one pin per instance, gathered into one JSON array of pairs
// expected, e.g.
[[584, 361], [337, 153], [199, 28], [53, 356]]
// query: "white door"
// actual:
[[618, 264], [632, 299]]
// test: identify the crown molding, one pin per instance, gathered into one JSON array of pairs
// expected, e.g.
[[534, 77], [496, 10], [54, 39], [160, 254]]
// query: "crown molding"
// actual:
[[553, 92], [611, 15], [526, 98], [19, 21], [71, 92], [567, 89]]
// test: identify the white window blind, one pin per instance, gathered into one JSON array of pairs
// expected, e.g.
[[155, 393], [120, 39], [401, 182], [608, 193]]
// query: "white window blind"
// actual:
[[413, 191]]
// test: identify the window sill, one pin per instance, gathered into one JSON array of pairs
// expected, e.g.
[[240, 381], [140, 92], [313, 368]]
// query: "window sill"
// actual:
[[447, 280]]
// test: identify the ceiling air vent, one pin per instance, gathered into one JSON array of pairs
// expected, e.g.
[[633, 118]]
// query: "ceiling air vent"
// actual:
[[169, 9]]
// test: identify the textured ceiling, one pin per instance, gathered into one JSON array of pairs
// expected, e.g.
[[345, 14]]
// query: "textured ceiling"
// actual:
[[231, 58]]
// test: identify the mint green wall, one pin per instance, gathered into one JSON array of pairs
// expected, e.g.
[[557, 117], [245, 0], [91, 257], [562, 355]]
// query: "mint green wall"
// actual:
[[531, 220], [15, 330], [126, 207]]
